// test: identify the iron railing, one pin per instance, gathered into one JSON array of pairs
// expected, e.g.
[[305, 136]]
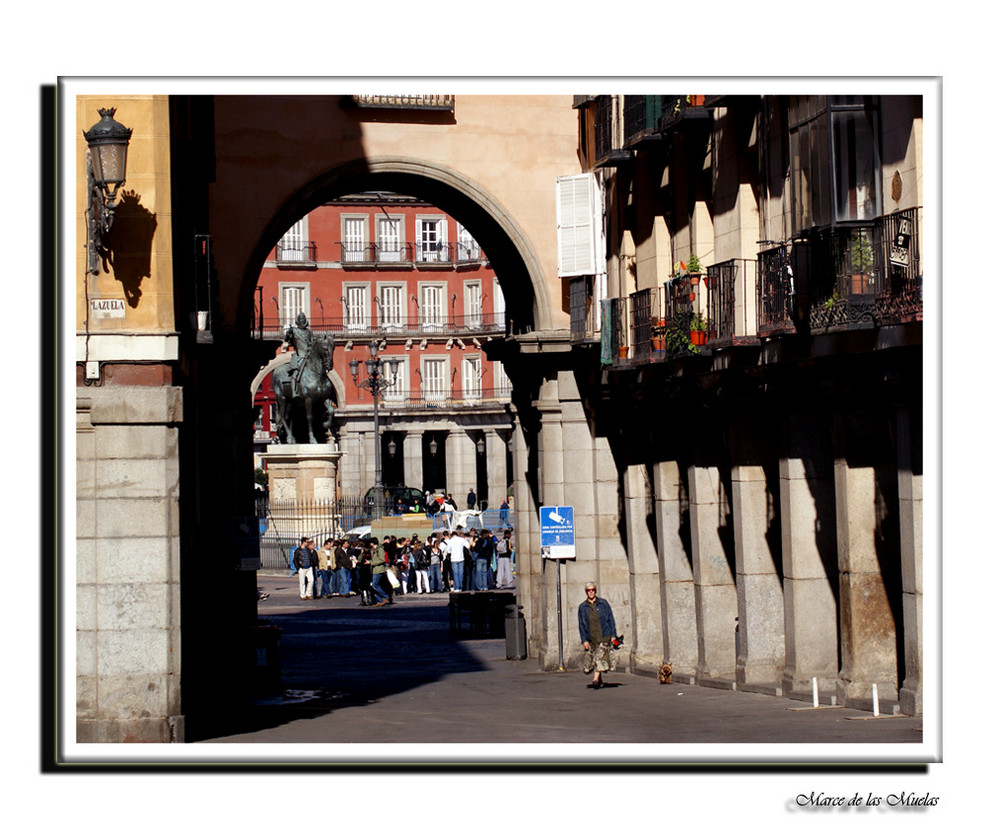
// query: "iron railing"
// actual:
[[775, 290], [834, 278], [584, 312], [448, 398], [295, 252], [408, 254], [731, 302], [271, 327]]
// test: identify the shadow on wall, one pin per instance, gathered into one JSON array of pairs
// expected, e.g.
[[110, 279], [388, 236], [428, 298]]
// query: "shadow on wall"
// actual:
[[130, 246]]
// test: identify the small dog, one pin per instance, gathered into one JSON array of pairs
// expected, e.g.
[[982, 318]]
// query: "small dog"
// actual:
[[666, 672]]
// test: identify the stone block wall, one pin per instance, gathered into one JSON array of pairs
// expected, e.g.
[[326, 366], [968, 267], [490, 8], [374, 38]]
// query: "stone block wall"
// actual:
[[128, 565]]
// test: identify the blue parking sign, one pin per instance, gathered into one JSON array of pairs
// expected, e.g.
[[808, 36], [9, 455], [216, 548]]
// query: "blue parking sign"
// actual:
[[558, 535]]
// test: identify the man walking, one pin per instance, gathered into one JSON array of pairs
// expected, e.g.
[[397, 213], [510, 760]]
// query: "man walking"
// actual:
[[597, 632], [303, 562]]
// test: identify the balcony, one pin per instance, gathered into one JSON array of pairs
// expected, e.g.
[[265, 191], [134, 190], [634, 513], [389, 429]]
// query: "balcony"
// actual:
[[865, 274], [420, 103], [583, 310], [680, 110], [846, 277], [295, 254], [433, 399], [363, 328], [608, 148], [406, 255]]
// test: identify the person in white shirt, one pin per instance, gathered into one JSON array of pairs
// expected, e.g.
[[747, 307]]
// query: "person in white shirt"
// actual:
[[457, 546]]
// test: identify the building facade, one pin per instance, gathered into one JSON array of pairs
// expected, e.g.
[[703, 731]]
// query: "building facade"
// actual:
[[746, 300], [399, 271]]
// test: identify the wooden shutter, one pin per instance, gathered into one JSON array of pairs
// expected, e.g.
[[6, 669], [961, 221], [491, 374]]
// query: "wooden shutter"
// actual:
[[576, 225]]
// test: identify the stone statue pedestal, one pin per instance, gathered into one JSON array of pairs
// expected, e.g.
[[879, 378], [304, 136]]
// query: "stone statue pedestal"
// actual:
[[302, 472]]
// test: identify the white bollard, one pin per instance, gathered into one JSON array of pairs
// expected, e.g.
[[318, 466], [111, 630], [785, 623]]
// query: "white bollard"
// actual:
[[875, 697], [815, 693]]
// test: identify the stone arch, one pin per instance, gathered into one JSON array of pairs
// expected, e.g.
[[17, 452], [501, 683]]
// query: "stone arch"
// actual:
[[517, 265]]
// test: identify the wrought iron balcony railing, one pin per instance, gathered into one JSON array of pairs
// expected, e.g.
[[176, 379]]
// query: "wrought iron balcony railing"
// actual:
[[295, 252], [432, 398], [836, 278], [409, 254], [583, 309], [431, 326], [866, 273]]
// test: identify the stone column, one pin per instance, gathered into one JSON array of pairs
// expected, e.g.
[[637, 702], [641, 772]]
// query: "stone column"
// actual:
[[645, 595], [413, 459], [680, 633], [496, 468], [760, 657], [808, 548], [714, 587], [358, 470], [460, 468], [911, 504], [552, 492], [867, 625], [128, 566]]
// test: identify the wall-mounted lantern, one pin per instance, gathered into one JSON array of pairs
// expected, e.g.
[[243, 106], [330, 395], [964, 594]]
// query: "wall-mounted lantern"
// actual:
[[107, 150]]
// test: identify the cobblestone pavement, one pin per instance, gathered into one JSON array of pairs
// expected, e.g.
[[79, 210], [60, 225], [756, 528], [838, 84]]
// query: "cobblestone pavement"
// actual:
[[395, 675]]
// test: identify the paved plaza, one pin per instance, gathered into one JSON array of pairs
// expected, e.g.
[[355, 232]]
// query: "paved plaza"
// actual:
[[397, 675]]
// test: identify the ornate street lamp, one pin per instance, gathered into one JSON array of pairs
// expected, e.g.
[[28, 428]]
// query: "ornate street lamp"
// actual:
[[376, 384], [107, 150]]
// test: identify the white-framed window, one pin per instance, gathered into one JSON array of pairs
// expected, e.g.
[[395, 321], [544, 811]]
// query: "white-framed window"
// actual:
[[466, 247], [432, 306], [294, 245], [389, 239], [432, 239], [294, 299], [473, 304], [354, 236], [399, 390], [502, 385], [392, 305], [434, 379], [356, 310], [499, 304], [472, 378]]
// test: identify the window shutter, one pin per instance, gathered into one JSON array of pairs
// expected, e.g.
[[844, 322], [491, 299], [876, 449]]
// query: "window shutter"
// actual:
[[576, 225]]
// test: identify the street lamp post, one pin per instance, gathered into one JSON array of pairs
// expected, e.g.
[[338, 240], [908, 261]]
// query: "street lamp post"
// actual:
[[376, 384]]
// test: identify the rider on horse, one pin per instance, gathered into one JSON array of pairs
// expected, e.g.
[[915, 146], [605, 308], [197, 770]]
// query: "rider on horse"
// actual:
[[301, 338]]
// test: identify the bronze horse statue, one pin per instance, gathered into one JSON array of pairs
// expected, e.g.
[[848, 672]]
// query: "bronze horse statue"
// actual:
[[308, 389]]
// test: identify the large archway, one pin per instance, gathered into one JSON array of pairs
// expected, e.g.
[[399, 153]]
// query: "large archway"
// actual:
[[518, 268]]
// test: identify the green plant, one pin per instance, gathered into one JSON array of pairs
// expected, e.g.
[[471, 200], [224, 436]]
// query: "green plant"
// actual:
[[698, 322], [678, 340], [260, 477], [692, 266], [862, 253]]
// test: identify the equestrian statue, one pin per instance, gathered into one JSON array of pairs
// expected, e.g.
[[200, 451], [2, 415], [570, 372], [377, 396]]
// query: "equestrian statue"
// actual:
[[302, 389]]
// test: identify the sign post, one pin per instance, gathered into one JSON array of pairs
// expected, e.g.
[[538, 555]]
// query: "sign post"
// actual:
[[558, 538]]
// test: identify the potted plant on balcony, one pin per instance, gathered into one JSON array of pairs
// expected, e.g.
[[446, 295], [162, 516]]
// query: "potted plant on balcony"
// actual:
[[862, 265], [698, 329]]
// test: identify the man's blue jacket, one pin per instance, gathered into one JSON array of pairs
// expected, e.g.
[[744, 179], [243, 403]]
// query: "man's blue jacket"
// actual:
[[603, 613]]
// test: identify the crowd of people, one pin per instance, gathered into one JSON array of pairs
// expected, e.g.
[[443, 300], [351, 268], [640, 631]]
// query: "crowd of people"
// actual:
[[378, 571]]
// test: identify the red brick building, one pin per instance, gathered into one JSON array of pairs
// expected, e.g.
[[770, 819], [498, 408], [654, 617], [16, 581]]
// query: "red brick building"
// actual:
[[399, 271]]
